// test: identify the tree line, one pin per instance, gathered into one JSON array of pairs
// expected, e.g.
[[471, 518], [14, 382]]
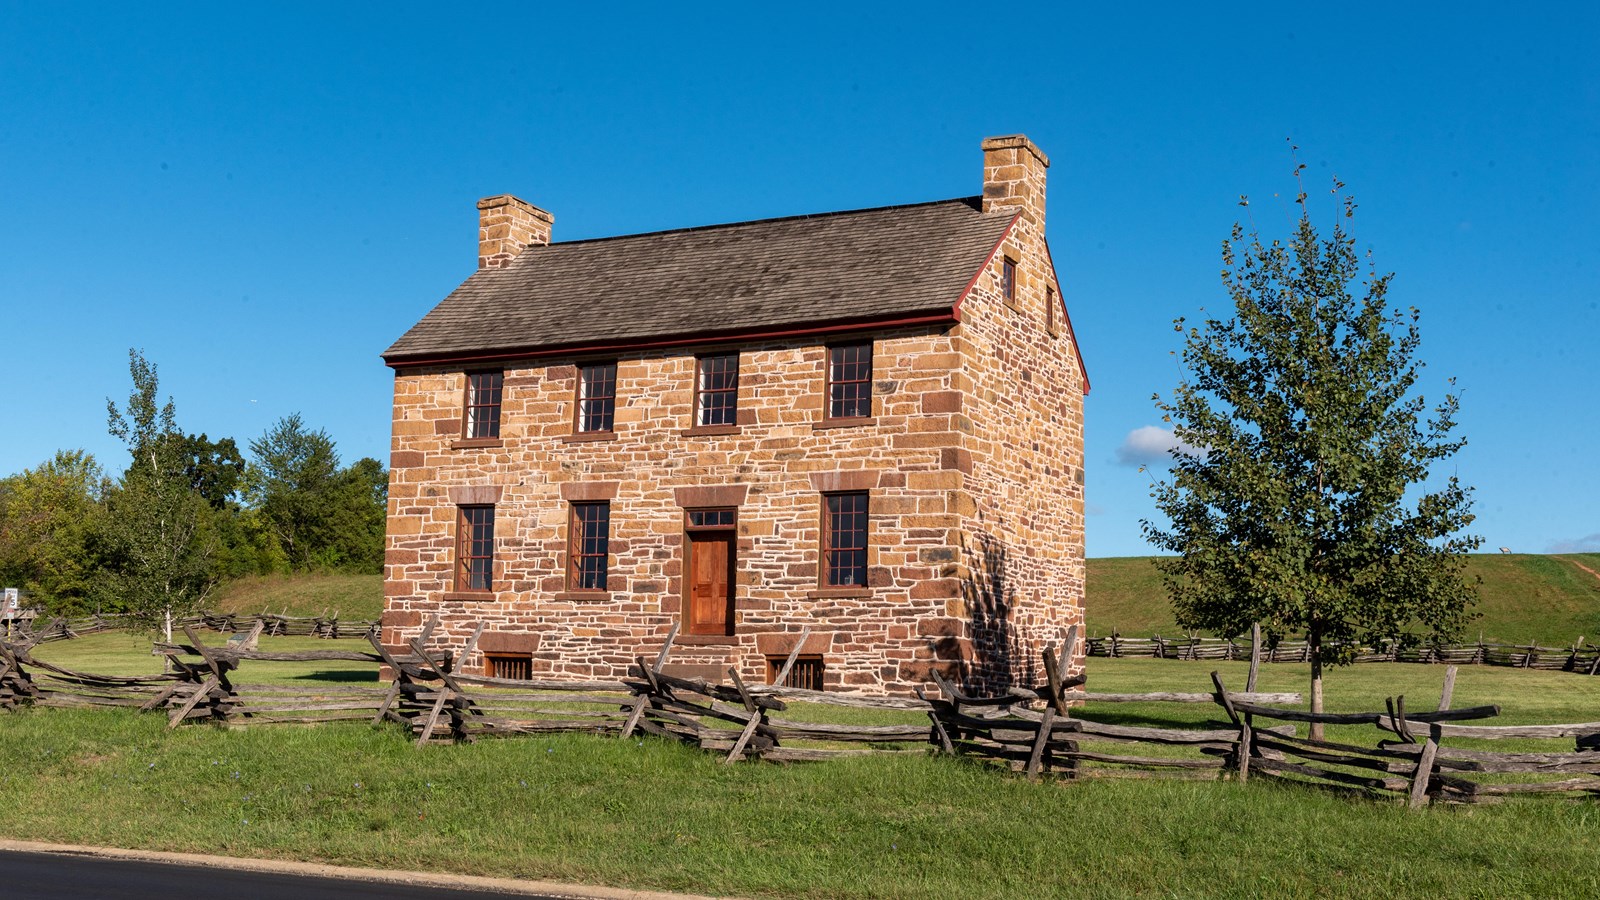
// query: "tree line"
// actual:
[[187, 513]]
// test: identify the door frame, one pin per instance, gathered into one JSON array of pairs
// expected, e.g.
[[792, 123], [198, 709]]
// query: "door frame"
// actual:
[[718, 523]]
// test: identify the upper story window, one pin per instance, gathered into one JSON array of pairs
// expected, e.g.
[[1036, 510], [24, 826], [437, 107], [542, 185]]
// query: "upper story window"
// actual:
[[588, 546], [850, 381], [483, 404], [844, 539], [475, 549], [716, 390], [1008, 280], [1050, 309], [597, 397]]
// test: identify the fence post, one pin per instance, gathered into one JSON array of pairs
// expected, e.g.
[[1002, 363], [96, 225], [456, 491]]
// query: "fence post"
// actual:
[[1241, 759], [1430, 747]]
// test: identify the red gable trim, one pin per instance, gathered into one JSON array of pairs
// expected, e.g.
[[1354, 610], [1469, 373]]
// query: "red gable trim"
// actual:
[[940, 316], [986, 261], [1066, 317]]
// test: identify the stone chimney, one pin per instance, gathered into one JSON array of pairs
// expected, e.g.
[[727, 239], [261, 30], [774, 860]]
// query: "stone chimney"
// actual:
[[506, 226], [1013, 177]]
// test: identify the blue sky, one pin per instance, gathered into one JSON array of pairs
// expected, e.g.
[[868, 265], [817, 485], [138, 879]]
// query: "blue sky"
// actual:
[[263, 200]]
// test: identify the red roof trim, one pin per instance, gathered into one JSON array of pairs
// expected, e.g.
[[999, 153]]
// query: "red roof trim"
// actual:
[[940, 316], [985, 267], [1066, 317]]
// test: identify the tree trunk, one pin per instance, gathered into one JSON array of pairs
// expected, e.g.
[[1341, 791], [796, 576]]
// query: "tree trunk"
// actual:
[[1316, 687]]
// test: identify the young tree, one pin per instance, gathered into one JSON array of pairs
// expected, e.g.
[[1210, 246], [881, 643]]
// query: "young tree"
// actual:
[[1305, 506], [157, 558]]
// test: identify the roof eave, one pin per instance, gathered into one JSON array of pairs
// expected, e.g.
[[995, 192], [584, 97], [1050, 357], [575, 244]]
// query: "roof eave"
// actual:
[[941, 315]]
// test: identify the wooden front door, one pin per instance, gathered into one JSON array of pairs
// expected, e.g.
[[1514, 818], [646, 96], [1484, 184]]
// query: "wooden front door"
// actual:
[[711, 558]]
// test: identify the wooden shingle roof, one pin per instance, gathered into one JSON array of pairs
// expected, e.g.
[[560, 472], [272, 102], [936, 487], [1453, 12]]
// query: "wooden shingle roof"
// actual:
[[804, 273]]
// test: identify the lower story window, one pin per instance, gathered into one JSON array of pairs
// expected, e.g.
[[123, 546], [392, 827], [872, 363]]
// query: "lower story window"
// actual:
[[844, 540], [475, 549], [806, 674], [588, 546]]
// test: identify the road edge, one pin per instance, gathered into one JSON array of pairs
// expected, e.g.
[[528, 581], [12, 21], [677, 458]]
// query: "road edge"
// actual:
[[352, 873]]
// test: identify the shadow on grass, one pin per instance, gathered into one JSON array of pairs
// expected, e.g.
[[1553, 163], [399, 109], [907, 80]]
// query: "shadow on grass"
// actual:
[[341, 675]]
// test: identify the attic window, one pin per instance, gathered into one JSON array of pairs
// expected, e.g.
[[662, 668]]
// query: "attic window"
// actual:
[[1050, 309], [1008, 280], [483, 404]]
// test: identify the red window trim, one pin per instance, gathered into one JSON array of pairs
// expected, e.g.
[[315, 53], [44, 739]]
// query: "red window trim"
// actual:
[[829, 381], [468, 540], [825, 567], [580, 422], [697, 421], [575, 548], [471, 405]]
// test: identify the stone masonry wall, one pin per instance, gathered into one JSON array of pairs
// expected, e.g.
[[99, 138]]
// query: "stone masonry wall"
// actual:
[[912, 457], [1024, 543]]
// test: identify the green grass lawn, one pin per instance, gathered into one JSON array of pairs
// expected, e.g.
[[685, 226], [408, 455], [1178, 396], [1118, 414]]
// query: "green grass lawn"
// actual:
[[648, 813], [1523, 598], [128, 653], [352, 596]]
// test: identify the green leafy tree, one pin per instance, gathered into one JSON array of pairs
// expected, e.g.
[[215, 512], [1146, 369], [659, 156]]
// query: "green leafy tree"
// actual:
[[292, 477], [214, 468], [156, 549], [48, 519], [1305, 502]]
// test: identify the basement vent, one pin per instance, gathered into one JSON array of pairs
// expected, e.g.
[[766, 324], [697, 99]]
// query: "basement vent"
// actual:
[[806, 674], [515, 666]]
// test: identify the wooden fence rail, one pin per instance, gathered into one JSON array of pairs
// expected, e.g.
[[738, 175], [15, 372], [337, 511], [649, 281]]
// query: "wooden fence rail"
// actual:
[[1577, 657]]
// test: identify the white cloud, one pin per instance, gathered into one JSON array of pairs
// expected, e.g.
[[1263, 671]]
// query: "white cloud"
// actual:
[[1150, 445], [1586, 544]]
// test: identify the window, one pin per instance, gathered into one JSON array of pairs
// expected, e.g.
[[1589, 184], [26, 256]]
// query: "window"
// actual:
[[597, 397], [844, 540], [1008, 280], [850, 381], [1050, 309], [806, 674], [515, 666], [587, 546], [710, 518], [483, 404], [716, 390], [475, 549]]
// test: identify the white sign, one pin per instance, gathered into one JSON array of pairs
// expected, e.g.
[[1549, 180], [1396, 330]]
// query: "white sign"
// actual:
[[11, 600]]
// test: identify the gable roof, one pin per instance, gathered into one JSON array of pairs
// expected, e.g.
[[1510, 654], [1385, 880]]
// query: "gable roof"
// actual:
[[774, 276]]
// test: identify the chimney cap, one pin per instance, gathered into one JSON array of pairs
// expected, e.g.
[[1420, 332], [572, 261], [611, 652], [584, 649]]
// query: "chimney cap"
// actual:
[[1014, 141], [499, 200]]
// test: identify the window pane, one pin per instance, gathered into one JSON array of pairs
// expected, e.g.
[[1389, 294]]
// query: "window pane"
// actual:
[[597, 390], [717, 390], [845, 540], [483, 404], [711, 518], [587, 549], [1008, 280], [475, 549], [850, 381]]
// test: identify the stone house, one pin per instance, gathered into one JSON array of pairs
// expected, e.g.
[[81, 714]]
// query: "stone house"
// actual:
[[865, 423]]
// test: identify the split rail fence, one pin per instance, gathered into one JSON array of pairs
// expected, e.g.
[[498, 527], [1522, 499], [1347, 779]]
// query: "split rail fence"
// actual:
[[1037, 730], [1578, 657]]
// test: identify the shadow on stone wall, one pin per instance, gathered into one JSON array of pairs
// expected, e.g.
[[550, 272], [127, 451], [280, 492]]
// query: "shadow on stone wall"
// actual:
[[999, 659]]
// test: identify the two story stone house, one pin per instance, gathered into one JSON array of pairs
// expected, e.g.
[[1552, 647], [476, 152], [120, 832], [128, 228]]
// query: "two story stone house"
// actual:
[[868, 424]]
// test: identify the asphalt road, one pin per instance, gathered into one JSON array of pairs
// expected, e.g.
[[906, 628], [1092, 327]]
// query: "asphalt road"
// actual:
[[60, 876]]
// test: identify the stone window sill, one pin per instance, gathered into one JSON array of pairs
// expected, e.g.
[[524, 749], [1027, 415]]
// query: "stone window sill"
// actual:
[[852, 422], [468, 596], [584, 596], [705, 430], [476, 443], [584, 437], [840, 593], [707, 640]]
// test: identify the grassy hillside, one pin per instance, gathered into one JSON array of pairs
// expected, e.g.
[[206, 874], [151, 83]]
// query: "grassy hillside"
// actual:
[[353, 596], [1522, 598]]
